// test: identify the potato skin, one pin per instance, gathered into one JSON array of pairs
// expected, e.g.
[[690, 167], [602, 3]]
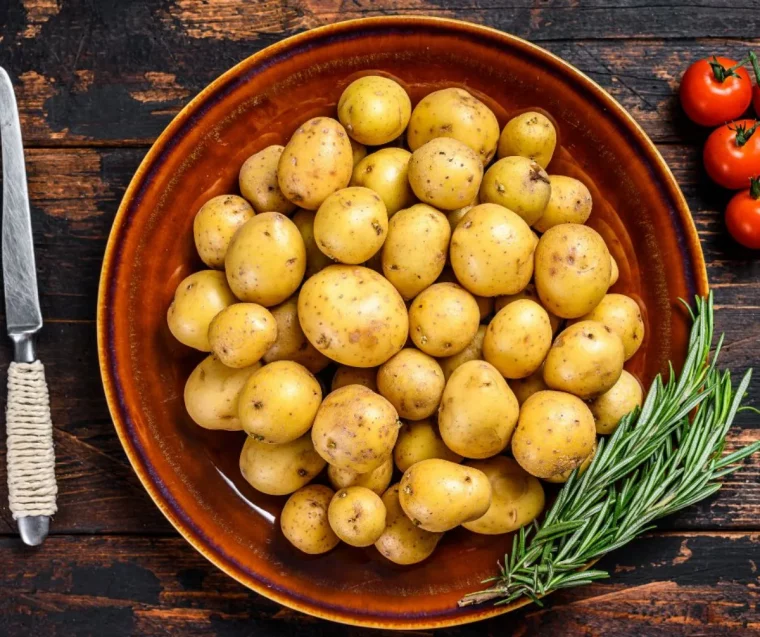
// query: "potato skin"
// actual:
[[317, 161], [412, 382], [530, 135], [316, 260], [529, 292], [304, 520], [478, 411], [416, 248], [586, 359], [212, 391], [353, 315], [402, 542], [572, 270], [359, 151], [346, 375], [485, 303], [374, 110], [614, 271], [376, 480], [280, 469], [291, 343], [623, 316], [570, 202], [478, 245], [455, 216], [197, 300], [386, 171], [242, 333], [623, 397], [518, 184], [357, 516], [258, 182], [517, 498], [561, 478], [555, 434], [438, 495], [266, 260], [355, 428], [473, 351], [524, 388], [215, 223], [420, 440]]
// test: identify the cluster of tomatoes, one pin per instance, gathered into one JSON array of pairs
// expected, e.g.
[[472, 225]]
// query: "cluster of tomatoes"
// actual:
[[718, 92]]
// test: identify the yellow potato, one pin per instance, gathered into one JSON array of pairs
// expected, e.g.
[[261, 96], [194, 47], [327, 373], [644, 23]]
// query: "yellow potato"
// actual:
[[517, 498], [454, 113], [279, 402], [242, 333], [212, 391], [266, 260], [317, 161], [485, 303], [355, 429], [518, 339], [280, 469], [402, 542], [572, 269], [473, 351], [374, 109], [530, 135], [359, 151], [518, 184], [529, 292], [291, 343], [561, 478], [478, 411], [443, 319], [197, 300], [555, 434], [623, 316], [216, 222], [304, 520], [586, 359], [622, 398], [412, 382], [346, 375], [570, 202], [376, 480], [258, 182], [438, 495], [386, 172], [455, 216], [420, 440], [353, 315], [357, 516], [316, 260], [479, 245], [415, 252], [614, 271], [524, 388], [445, 173]]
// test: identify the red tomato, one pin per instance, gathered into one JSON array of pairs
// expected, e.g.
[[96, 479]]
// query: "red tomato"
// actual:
[[743, 216], [732, 154], [715, 91]]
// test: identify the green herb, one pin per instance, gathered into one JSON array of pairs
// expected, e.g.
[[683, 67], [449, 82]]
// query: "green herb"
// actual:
[[662, 458]]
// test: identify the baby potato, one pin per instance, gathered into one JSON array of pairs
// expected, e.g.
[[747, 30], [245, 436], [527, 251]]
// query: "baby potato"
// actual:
[[374, 109], [386, 172], [304, 520], [357, 515], [614, 271], [353, 315], [197, 300], [279, 402], [412, 382], [485, 303], [454, 113], [438, 495], [346, 375], [524, 388], [622, 398], [242, 333], [478, 411], [358, 150], [316, 260], [473, 351], [570, 202], [517, 498], [317, 161], [586, 359], [561, 478], [291, 343], [355, 429], [555, 434], [529, 292], [530, 135], [623, 316], [518, 339], [258, 182], [479, 248], [419, 441], [518, 184], [455, 216], [266, 260], [351, 225], [572, 269], [415, 252], [212, 391], [214, 225], [402, 542], [376, 480], [280, 469], [445, 173], [443, 319]]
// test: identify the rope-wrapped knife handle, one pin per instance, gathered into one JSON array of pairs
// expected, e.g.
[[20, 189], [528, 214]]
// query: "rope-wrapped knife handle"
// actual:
[[32, 488]]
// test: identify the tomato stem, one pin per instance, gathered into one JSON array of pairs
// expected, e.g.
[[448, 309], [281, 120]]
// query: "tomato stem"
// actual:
[[754, 187], [755, 66], [721, 73], [743, 133]]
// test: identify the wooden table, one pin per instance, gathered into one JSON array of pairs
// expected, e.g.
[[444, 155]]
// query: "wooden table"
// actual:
[[97, 81]]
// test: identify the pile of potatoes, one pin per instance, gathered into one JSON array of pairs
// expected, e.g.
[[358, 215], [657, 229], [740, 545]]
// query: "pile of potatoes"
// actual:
[[463, 300]]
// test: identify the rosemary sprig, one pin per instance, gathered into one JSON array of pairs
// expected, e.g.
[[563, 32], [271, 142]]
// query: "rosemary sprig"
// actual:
[[662, 458]]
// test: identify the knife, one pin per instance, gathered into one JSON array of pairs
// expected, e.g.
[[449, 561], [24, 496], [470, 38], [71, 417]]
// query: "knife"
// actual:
[[32, 488]]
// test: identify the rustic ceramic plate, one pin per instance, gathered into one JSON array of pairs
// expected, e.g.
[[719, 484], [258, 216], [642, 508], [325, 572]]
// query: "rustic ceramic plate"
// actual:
[[192, 474]]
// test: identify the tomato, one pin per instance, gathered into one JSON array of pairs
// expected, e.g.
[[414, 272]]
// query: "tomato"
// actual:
[[743, 216], [715, 91], [732, 154]]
